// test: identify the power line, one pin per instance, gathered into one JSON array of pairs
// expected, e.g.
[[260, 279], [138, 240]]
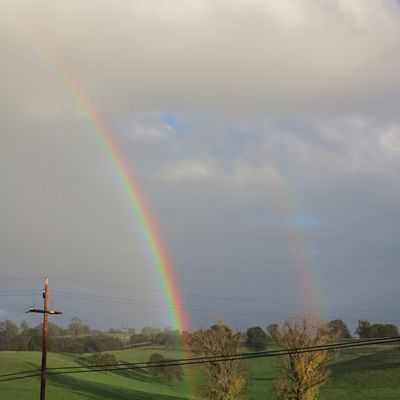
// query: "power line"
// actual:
[[22, 278], [160, 304], [147, 303], [230, 298], [201, 360], [14, 293]]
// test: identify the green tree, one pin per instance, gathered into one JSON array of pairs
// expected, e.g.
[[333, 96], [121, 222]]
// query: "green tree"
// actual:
[[103, 360], [338, 329], [383, 330], [363, 329], [23, 327], [272, 330], [165, 372], [23, 336], [8, 335], [256, 339], [76, 327]]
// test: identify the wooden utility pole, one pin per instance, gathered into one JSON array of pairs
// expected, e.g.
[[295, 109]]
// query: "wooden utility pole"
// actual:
[[45, 341], [45, 313]]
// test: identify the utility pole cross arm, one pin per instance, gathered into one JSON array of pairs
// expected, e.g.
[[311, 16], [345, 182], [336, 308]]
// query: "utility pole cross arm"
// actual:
[[37, 310]]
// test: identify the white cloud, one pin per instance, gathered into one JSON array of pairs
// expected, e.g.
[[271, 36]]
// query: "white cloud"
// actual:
[[186, 170], [390, 140], [251, 177], [147, 134]]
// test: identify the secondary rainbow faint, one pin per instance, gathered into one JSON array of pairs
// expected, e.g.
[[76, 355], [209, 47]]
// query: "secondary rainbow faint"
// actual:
[[296, 240], [126, 178]]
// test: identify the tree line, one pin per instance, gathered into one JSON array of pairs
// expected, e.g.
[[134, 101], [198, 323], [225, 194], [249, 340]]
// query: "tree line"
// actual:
[[78, 337]]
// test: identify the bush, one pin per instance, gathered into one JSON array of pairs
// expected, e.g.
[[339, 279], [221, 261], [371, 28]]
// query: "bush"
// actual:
[[103, 359], [165, 372]]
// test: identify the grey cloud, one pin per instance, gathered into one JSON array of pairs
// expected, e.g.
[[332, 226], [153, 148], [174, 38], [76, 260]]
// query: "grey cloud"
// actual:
[[253, 56], [290, 109]]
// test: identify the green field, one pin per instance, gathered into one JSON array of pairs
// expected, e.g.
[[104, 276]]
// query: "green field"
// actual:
[[371, 373]]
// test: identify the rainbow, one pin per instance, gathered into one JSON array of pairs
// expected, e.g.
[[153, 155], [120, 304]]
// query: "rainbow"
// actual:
[[296, 241], [117, 160]]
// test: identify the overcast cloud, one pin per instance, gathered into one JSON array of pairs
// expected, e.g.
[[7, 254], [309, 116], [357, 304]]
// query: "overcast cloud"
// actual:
[[264, 135]]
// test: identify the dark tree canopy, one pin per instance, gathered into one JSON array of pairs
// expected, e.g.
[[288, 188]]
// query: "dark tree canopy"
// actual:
[[383, 330], [338, 329], [165, 372], [363, 329], [272, 330], [367, 330], [256, 339]]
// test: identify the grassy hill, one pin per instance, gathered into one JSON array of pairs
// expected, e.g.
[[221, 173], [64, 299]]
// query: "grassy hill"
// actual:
[[367, 374]]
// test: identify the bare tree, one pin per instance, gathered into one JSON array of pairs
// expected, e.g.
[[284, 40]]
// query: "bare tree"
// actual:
[[301, 374], [225, 380]]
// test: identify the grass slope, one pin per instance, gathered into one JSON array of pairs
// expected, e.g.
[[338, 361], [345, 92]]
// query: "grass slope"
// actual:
[[367, 374], [364, 374]]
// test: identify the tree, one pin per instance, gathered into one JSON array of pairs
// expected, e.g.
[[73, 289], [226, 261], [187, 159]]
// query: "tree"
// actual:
[[225, 380], [338, 329], [23, 327], [383, 330], [8, 335], [256, 338], [103, 359], [77, 328], [363, 329], [166, 372], [272, 330], [301, 374]]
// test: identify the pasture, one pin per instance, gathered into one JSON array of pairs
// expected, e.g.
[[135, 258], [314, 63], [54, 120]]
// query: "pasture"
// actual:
[[363, 373]]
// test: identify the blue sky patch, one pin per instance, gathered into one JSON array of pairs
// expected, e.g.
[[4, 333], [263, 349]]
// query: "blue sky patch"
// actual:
[[173, 122]]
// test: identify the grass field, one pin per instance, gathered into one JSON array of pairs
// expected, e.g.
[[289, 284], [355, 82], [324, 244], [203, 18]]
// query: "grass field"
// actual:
[[367, 374]]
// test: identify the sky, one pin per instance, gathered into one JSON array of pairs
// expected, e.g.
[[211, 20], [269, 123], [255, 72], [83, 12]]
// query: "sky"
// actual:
[[265, 137]]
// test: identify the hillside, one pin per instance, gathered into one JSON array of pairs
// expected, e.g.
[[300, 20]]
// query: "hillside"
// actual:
[[366, 374]]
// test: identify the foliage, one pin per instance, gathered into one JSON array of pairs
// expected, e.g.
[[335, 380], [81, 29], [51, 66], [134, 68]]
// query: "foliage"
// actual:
[[226, 380], [166, 372], [102, 359], [367, 330], [272, 330], [25, 338], [168, 338], [8, 335], [363, 329], [384, 330], [256, 339], [337, 329], [76, 327], [301, 374]]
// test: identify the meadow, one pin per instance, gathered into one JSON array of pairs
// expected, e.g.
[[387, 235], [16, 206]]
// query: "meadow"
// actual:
[[364, 373]]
